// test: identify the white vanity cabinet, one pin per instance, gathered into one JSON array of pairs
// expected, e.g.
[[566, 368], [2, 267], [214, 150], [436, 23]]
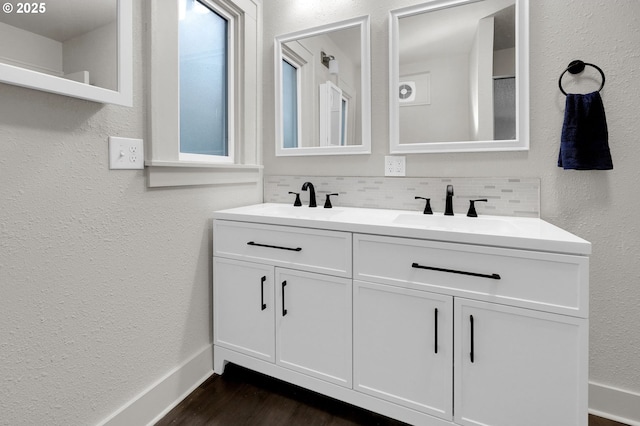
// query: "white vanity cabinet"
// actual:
[[313, 326], [518, 366], [403, 347], [244, 308], [515, 360], [425, 326], [297, 319]]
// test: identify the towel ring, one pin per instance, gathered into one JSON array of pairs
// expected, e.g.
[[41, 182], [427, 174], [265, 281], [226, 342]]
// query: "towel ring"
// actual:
[[576, 67]]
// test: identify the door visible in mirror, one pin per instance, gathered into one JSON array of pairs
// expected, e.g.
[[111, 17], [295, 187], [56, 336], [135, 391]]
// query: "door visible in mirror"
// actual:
[[459, 76]]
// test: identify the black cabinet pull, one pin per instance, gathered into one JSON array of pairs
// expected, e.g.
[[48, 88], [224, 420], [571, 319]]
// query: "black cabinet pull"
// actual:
[[471, 354], [453, 271], [436, 328], [263, 306], [251, 243], [284, 311]]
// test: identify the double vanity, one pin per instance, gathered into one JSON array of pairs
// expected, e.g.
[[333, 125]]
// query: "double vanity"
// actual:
[[428, 319]]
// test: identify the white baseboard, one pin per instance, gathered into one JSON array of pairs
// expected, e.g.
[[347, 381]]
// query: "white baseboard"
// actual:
[[158, 399], [614, 404]]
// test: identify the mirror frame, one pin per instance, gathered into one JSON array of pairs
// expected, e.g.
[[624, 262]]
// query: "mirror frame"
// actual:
[[365, 89], [521, 143], [49, 83]]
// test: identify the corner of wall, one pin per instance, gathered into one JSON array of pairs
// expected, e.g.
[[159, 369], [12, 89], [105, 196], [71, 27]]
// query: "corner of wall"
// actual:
[[605, 400], [158, 399]]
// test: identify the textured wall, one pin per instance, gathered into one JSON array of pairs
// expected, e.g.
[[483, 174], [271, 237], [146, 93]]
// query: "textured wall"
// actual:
[[104, 284], [601, 207]]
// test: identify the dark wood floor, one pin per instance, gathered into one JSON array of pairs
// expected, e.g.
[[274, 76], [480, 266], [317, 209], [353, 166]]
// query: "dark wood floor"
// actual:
[[243, 397]]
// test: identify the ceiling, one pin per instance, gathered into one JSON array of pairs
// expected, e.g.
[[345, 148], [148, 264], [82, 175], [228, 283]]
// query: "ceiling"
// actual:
[[64, 19], [452, 30]]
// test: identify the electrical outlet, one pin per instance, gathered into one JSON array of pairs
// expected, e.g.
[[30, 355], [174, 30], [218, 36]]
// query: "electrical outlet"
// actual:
[[394, 165], [126, 153]]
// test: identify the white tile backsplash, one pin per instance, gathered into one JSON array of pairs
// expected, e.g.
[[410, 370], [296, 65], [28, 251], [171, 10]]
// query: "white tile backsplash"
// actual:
[[507, 196]]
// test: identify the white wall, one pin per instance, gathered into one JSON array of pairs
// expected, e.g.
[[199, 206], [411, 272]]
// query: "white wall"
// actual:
[[448, 116], [29, 50], [96, 52], [105, 284], [600, 206]]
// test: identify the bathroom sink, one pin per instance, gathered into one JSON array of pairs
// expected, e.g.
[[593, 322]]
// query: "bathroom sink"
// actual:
[[481, 225], [500, 231], [289, 211]]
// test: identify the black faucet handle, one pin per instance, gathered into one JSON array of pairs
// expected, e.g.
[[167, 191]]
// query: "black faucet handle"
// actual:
[[472, 207], [327, 201], [427, 207], [296, 203]]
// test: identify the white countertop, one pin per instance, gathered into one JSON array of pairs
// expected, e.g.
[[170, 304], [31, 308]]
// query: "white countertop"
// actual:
[[497, 231]]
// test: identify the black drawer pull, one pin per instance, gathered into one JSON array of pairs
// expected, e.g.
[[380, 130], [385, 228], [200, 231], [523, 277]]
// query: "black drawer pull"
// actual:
[[472, 352], [284, 311], [453, 271], [263, 305], [251, 243], [436, 329]]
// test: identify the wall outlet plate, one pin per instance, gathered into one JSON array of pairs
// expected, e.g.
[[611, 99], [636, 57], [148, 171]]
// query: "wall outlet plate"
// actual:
[[126, 153], [394, 165]]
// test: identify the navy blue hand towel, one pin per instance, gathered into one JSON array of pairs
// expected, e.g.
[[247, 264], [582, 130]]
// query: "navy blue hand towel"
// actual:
[[584, 144]]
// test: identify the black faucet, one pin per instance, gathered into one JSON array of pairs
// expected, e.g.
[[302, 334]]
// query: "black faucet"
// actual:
[[312, 193], [448, 211]]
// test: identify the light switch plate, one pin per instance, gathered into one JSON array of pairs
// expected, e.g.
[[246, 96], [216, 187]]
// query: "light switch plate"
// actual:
[[126, 153], [394, 165]]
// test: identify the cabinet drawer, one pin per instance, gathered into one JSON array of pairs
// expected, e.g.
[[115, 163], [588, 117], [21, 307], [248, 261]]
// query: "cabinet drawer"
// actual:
[[327, 252], [545, 281]]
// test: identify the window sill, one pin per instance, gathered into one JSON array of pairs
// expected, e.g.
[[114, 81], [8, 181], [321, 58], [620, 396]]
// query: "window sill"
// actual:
[[182, 173]]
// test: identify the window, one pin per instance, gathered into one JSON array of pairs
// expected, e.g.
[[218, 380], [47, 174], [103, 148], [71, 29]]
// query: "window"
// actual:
[[206, 103], [204, 106], [290, 89]]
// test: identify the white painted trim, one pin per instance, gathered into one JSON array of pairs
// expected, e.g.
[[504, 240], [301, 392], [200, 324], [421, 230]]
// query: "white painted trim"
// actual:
[[169, 173], [158, 399], [614, 404]]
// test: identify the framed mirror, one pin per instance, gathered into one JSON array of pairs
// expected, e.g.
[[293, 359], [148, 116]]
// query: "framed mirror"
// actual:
[[459, 76], [323, 90], [75, 48]]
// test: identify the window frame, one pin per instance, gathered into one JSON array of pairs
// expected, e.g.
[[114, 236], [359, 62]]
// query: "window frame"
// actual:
[[166, 166], [298, 56]]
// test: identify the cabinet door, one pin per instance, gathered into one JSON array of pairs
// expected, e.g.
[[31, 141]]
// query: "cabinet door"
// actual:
[[243, 307], [518, 366], [313, 325], [403, 349]]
